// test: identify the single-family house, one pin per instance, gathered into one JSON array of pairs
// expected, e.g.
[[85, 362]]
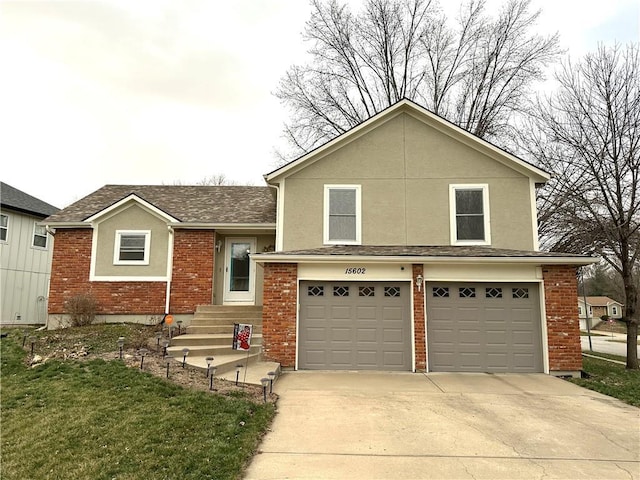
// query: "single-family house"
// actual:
[[404, 244], [596, 308], [25, 257]]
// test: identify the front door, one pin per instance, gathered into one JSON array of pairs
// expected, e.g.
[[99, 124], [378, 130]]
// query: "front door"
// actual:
[[239, 274]]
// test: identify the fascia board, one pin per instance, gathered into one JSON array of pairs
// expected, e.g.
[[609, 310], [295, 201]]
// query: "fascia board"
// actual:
[[424, 260], [433, 120], [130, 198], [224, 226]]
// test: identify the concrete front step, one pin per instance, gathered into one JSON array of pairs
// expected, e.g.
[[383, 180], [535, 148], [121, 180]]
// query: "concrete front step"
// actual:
[[208, 350], [229, 308], [212, 339], [218, 329], [226, 367]]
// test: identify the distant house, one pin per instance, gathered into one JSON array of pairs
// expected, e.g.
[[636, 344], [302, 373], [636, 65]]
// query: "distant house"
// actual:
[[404, 244], [596, 308], [26, 249]]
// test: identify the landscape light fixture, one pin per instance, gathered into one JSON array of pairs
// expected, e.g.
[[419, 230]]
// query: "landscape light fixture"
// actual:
[[25, 334], [32, 340], [165, 344], [209, 362], [272, 377], [168, 361], [142, 352], [179, 322], [120, 345], [238, 368], [264, 381], [158, 337], [185, 352]]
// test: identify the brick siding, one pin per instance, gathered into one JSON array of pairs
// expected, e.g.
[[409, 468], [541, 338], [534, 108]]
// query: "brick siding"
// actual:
[[563, 328], [279, 313], [418, 321], [193, 267], [192, 276]]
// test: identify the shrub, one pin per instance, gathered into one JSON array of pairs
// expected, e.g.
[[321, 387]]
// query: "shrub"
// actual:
[[604, 317], [82, 309]]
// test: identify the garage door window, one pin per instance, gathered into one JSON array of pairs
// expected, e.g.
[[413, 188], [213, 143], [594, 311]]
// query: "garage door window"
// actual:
[[440, 292], [493, 292], [467, 292], [520, 292], [366, 291], [315, 291], [341, 291]]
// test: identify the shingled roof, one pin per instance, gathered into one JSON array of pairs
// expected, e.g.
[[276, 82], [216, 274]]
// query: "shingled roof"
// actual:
[[220, 204], [12, 198]]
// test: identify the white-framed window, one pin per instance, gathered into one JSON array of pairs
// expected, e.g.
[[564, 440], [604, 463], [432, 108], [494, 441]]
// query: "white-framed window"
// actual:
[[4, 227], [40, 236], [614, 310], [132, 247], [342, 214], [469, 214], [579, 309]]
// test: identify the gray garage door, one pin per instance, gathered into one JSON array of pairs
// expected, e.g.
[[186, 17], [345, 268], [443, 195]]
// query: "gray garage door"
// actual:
[[484, 327], [354, 326]]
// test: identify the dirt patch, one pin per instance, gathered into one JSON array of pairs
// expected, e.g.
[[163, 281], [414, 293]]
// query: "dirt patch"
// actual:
[[154, 363]]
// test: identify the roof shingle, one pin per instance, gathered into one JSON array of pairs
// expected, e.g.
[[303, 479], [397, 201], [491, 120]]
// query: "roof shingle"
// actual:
[[189, 204], [11, 197]]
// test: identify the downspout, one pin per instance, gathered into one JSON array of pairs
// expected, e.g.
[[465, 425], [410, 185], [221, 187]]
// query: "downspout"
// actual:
[[169, 269]]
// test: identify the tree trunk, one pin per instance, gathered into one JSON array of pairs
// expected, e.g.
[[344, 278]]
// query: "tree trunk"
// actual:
[[631, 318]]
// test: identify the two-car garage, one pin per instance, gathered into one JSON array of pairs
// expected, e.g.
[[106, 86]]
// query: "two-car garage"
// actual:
[[471, 327]]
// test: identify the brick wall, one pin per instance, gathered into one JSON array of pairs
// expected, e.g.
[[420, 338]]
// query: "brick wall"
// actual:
[[279, 313], [418, 321], [193, 267], [563, 328], [70, 276]]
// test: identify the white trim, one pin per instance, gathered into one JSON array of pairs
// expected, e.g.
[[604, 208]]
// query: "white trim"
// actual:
[[280, 216], [125, 200], [358, 214], [239, 298], [296, 363], [284, 258], [33, 238], [6, 228], [453, 229], [169, 270], [534, 214], [103, 278], [543, 326], [117, 245], [223, 226], [412, 320]]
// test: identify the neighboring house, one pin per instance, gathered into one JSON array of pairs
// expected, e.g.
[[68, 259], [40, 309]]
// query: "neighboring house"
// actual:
[[25, 257], [597, 307], [404, 244]]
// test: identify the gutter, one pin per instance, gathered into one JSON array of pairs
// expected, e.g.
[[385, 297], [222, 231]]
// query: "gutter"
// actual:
[[283, 258]]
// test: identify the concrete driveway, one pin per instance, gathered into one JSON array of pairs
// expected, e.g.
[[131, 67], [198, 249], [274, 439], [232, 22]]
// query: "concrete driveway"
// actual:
[[410, 426]]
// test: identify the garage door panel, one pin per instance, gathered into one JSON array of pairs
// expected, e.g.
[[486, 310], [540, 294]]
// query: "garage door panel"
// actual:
[[488, 328], [364, 328]]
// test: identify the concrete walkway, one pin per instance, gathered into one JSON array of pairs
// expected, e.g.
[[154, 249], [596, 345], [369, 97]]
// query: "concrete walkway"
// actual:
[[603, 342], [412, 426]]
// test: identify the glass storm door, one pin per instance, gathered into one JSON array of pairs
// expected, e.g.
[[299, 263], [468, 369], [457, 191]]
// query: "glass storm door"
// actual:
[[239, 274]]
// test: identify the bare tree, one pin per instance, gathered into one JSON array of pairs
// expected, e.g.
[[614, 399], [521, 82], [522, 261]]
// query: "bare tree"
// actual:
[[588, 135], [216, 179], [475, 73]]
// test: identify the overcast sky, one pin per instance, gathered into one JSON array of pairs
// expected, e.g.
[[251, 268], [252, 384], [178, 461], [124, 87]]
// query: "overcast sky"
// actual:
[[158, 91]]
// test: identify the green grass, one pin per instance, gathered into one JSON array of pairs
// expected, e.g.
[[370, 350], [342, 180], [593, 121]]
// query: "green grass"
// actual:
[[611, 379], [102, 420]]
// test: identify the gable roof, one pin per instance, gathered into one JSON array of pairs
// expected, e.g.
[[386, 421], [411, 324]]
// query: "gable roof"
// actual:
[[12, 198], [407, 106], [220, 204], [599, 301]]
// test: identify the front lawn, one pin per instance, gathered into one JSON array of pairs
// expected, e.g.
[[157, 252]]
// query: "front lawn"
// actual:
[[611, 379], [103, 420]]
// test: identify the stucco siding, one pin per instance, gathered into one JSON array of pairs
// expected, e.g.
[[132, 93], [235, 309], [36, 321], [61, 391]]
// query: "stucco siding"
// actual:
[[405, 168], [131, 217]]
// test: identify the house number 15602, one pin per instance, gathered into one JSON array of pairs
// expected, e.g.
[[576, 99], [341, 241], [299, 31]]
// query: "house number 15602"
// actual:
[[355, 271]]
